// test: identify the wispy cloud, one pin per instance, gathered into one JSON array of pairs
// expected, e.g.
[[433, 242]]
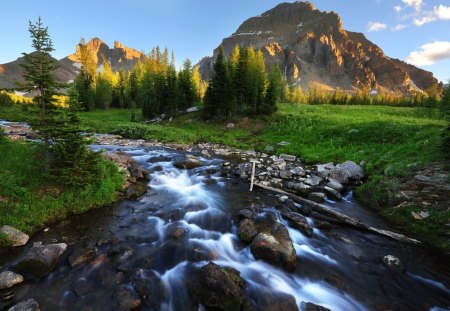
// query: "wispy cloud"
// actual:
[[398, 8], [376, 26], [440, 12], [398, 27], [416, 4], [430, 53]]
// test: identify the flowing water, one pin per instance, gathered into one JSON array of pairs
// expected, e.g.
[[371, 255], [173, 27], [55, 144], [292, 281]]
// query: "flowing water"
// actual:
[[340, 268]]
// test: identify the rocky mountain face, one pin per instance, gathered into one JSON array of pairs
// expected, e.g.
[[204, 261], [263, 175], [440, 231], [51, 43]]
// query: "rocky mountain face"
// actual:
[[120, 57], [311, 46]]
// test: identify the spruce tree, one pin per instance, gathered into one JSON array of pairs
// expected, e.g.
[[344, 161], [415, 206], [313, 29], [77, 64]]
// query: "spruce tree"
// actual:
[[39, 75], [445, 110]]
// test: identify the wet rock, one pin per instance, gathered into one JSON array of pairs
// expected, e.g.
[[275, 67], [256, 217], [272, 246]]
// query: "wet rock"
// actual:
[[394, 263], [267, 300], [303, 189], [275, 246], [125, 298], [333, 193], [309, 306], [339, 175], [150, 287], [285, 174], [299, 222], [83, 287], [138, 172], [120, 253], [247, 230], [313, 180], [13, 236], [246, 213], [323, 170], [333, 184], [186, 162], [317, 197], [136, 190], [354, 171], [206, 153], [27, 305], [81, 256], [9, 279], [219, 288], [40, 260], [178, 233], [158, 159], [305, 210], [288, 157]]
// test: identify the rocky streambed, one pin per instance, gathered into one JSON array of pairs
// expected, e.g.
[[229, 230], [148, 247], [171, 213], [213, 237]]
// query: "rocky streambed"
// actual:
[[198, 239]]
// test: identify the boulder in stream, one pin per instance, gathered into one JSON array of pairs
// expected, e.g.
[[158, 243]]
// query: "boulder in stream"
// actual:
[[247, 230], [9, 279], [275, 246], [309, 306], [26, 305], [263, 299], [394, 263], [186, 162], [219, 288], [13, 236], [40, 260], [125, 298], [299, 222]]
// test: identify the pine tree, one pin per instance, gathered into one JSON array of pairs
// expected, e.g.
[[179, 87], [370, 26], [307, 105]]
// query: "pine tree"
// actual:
[[85, 82], [445, 111], [72, 162], [272, 95], [39, 75]]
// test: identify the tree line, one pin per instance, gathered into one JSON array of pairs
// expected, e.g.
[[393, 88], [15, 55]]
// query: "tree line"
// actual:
[[153, 84]]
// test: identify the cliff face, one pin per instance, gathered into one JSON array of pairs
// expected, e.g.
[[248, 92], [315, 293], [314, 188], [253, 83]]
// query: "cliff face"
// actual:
[[120, 57], [310, 46]]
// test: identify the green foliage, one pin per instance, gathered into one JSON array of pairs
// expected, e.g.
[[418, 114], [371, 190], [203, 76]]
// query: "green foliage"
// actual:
[[5, 100], [30, 200], [72, 162], [132, 132], [445, 111]]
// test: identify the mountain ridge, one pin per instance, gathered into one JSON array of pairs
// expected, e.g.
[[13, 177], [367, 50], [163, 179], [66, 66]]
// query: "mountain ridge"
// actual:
[[120, 57], [310, 46]]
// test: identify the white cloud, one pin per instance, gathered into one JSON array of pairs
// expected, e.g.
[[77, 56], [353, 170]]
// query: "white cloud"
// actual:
[[442, 12], [375, 26], [398, 27], [424, 20], [417, 4], [430, 53], [397, 8]]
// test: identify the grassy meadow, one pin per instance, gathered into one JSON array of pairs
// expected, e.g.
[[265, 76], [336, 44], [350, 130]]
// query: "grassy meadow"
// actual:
[[393, 141]]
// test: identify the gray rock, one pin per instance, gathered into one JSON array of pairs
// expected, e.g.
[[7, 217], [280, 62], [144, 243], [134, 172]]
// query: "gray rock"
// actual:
[[27, 305], [288, 157], [179, 233], [323, 170], [354, 171], [285, 174], [335, 185], [186, 162], [303, 189], [318, 197], [333, 193], [299, 222], [339, 175], [394, 263], [125, 298], [81, 256], [247, 213], [264, 299], [275, 246], [309, 306], [219, 288], [14, 236], [313, 180], [9, 279], [40, 260], [247, 230]]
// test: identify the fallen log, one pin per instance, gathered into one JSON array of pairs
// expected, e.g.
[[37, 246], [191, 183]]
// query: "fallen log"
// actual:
[[341, 217]]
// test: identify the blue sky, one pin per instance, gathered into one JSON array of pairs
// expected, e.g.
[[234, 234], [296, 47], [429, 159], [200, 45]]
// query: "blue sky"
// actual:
[[413, 30]]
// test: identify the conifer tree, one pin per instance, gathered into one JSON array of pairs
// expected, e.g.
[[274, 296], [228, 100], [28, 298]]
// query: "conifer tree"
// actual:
[[39, 75], [445, 110]]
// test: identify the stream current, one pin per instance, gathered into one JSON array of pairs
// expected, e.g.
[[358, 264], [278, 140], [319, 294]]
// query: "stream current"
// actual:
[[339, 268]]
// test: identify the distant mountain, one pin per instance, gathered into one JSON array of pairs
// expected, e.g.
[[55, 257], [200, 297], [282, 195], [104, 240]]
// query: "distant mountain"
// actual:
[[120, 57], [310, 46]]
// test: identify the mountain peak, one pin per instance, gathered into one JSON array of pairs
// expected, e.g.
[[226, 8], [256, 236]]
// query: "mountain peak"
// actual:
[[118, 45], [311, 46]]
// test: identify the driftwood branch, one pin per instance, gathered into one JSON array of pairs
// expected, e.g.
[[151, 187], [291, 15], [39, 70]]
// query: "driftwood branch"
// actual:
[[341, 217], [252, 180]]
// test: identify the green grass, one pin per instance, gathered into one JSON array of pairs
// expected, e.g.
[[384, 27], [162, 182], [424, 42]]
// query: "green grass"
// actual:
[[394, 142], [29, 200]]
